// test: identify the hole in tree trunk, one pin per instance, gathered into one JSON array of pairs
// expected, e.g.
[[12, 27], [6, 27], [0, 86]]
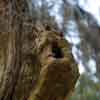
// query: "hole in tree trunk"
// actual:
[[56, 50]]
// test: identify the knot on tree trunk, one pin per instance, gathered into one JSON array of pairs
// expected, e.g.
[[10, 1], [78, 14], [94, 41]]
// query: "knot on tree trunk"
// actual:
[[59, 72]]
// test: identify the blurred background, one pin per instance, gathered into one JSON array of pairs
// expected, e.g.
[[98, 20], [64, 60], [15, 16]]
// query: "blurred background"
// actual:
[[79, 20]]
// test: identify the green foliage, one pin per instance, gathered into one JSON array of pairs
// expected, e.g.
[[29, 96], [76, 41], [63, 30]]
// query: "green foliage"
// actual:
[[87, 89]]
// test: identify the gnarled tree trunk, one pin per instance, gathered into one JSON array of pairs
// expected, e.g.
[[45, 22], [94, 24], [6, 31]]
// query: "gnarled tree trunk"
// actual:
[[34, 65]]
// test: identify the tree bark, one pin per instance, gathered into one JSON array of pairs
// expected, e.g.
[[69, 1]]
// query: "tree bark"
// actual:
[[35, 65]]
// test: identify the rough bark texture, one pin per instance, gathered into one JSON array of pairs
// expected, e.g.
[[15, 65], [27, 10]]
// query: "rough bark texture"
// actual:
[[58, 72], [35, 64], [45, 72]]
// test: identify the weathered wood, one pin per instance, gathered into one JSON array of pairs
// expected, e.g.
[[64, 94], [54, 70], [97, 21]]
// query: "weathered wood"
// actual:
[[36, 64], [43, 74], [58, 73]]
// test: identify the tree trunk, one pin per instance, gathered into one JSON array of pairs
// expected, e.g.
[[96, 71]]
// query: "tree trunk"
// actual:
[[34, 65]]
